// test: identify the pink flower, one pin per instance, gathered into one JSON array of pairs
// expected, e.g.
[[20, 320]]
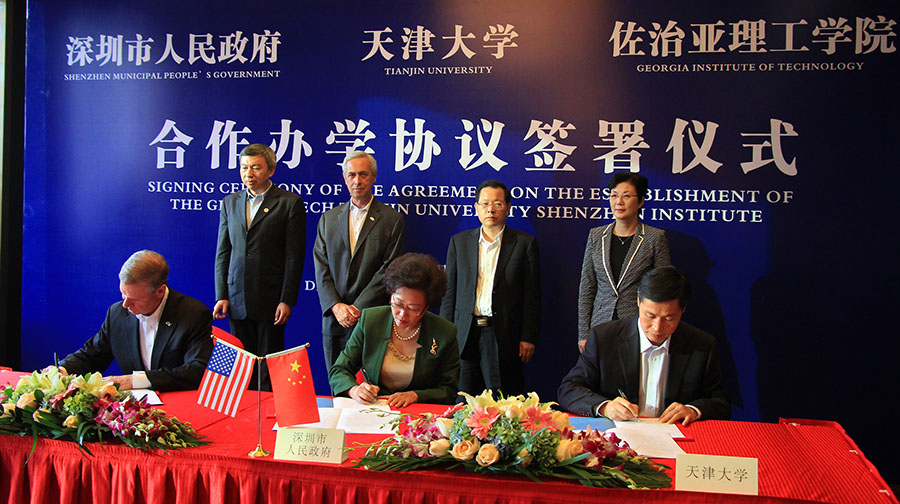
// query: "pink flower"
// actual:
[[536, 419], [481, 420], [453, 409]]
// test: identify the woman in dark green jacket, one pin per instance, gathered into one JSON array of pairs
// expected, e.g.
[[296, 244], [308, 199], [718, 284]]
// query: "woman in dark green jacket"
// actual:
[[406, 353]]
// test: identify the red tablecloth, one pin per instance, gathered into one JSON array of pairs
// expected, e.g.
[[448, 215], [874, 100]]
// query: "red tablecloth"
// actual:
[[796, 463]]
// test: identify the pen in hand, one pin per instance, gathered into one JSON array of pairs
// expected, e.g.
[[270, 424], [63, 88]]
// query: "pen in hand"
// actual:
[[623, 396]]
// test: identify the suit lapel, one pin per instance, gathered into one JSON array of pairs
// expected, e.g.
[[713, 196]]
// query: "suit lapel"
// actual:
[[605, 244], [374, 358], [269, 202], [343, 226], [132, 327], [507, 244], [372, 217], [630, 361], [679, 356], [239, 210], [164, 330], [633, 250], [471, 252]]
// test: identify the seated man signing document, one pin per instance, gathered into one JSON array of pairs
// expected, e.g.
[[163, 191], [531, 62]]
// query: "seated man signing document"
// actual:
[[651, 365], [159, 338]]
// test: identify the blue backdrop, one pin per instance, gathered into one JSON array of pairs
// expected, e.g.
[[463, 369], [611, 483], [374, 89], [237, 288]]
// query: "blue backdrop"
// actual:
[[768, 133]]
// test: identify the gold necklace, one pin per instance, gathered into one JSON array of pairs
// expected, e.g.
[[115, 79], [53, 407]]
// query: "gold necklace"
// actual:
[[398, 354]]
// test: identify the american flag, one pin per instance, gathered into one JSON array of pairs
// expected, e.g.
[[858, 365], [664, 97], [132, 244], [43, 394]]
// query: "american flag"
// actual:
[[226, 378]]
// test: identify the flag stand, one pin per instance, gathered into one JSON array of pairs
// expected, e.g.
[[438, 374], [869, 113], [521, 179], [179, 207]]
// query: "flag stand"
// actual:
[[258, 452]]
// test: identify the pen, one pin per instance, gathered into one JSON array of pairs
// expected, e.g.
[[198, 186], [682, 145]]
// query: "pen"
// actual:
[[623, 396], [365, 375], [55, 360]]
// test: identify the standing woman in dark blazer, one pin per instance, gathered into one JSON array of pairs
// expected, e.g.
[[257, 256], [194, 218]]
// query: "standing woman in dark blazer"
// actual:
[[616, 257]]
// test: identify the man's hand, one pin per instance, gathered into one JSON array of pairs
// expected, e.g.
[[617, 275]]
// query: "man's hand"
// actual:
[[124, 381], [677, 411], [364, 393], [346, 315], [619, 409], [402, 399], [282, 313], [221, 309], [526, 351], [581, 344]]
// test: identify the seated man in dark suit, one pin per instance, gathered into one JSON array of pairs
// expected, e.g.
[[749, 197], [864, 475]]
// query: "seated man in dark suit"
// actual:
[[159, 338], [668, 367]]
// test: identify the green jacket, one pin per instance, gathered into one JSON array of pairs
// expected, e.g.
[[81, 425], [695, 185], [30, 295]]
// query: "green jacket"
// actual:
[[436, 370]]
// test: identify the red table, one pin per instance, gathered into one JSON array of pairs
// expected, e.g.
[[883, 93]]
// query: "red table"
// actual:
[[797, 462]]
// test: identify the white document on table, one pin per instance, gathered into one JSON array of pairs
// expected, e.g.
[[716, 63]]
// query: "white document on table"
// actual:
[[152, 398], [355, 420], [652, 424], [647, 441], [348, 403]]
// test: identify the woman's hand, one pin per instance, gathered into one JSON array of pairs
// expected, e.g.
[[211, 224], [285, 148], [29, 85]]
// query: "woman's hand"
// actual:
[[364, 393], [402, 399]]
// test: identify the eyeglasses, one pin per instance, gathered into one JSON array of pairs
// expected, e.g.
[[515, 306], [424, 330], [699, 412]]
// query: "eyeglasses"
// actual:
[[626, 197], [498, 205], [408, 309]]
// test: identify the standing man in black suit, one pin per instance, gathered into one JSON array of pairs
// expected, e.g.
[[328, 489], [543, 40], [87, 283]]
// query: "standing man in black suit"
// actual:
[[669, 368], [493, 296], [355, 243], [259, 258], [159, 338]]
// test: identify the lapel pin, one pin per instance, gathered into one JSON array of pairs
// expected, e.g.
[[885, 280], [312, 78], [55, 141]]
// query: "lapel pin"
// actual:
[[433, 346], [168, 324], [265, 210], [372, 218]]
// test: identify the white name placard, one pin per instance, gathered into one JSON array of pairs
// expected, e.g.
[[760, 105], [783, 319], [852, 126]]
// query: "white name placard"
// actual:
[[310, 445], [713, 473]]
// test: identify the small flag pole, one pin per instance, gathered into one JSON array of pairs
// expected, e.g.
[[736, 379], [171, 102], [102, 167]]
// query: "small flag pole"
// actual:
[[259, 452]]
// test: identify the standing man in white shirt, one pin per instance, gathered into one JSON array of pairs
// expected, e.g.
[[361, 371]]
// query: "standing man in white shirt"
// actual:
[[493, 296], [651, 365], [159, 338], [355, 242]]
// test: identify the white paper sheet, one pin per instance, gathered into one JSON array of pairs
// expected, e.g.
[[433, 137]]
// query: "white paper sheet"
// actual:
[[646, 441], [152, 398], [652, 424], [356, 420]]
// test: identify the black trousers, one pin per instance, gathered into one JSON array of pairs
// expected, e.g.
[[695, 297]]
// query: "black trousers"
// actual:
[[260, 337], [482, 365]]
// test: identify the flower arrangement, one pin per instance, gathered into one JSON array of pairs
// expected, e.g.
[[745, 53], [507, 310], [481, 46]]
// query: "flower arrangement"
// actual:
[[515, 435], [84, 408]]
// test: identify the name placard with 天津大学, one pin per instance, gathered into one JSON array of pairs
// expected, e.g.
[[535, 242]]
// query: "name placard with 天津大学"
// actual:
[[310, 445], [714, 473]]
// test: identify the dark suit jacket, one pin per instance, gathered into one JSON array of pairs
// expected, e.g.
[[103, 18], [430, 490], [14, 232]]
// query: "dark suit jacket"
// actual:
[[611, 361], [258, 268], [516, 294], [180, 351], [598, 295], [357, 280], [434, 375]]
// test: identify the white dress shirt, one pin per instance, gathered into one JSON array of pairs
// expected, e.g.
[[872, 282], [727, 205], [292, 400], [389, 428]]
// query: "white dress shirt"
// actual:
[[147, 327], [357, 219], [488, 252], [254, 202], [654, 371]]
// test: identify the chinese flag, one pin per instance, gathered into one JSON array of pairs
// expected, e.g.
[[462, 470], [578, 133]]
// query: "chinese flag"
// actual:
[[292, 384]]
